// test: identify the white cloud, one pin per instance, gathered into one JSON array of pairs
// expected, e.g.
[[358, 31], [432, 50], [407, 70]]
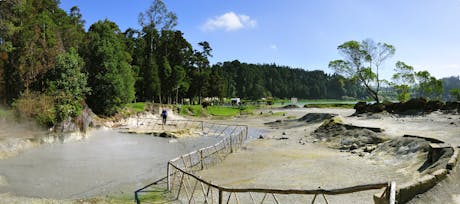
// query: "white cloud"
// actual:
[[273, 47], [229, 21]]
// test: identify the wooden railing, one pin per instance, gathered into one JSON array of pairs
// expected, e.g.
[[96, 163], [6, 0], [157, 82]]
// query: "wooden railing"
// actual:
[[186, 187], [191, 188]]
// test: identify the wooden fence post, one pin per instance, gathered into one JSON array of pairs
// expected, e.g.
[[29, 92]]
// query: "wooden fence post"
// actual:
[[168, 171], [247, 130], [392, 192], [201, 159], [220, 196], [231, 144]]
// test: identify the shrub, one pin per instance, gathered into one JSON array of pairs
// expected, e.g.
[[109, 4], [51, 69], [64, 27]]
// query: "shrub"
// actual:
[[37, 106]]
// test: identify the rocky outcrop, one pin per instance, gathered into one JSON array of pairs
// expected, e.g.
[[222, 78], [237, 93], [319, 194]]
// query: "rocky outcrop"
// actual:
[[411, 107], [71, 129], [316, 117], [79, 124], [348, 137]]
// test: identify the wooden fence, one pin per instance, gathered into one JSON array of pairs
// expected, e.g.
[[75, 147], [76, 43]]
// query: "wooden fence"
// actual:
[[186, 187]]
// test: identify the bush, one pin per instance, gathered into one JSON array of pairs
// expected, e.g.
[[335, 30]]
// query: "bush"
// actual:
[[37, 106]]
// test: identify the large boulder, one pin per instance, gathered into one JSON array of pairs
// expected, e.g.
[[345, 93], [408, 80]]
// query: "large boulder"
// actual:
[[415, 104], [347, 137], [451, 105], [290, 106], [360, 107], [390, 107], [316, 117], [434, 105], [78, 124], [363, 107], [376, 108]]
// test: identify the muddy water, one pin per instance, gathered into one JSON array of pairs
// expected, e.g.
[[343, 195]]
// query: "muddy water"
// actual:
[[108, 162]]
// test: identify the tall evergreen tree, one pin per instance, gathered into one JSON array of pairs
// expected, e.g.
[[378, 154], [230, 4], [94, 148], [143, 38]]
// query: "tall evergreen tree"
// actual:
[[107, 64]]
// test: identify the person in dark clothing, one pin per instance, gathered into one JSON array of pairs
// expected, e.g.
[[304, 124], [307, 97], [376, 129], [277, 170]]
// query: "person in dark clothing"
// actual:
[[164, 115]]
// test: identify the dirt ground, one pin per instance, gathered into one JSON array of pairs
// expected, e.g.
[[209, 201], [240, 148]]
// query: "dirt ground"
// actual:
[[286, 157]]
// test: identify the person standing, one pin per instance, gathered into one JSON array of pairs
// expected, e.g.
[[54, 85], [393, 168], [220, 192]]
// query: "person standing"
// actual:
[[164, 116]]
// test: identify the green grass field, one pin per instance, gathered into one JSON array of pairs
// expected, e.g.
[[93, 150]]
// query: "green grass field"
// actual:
[[221, 111], [136, 107]]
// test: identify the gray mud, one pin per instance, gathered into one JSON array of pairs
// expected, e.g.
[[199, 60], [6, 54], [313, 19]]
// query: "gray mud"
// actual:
[[106, 163]]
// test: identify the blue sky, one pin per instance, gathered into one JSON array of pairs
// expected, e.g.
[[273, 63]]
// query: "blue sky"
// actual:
[[305, 33]]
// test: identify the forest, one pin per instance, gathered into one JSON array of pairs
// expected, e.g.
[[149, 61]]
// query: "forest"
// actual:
[[51, 67]]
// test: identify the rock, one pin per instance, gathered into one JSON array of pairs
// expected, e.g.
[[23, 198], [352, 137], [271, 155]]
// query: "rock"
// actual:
[[274, 123], [316, 117], [411, 107], [345, 136], [390, 107], [284, 133], [166, 134], [283, 138], [370, 148], [360, 107], [451, 105], [290, 106], [376, 108], [415, 104], [354, 146], [434, 105]]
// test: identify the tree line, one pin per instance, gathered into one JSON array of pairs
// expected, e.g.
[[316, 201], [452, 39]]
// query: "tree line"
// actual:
[[255, 81], [51, 67]]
